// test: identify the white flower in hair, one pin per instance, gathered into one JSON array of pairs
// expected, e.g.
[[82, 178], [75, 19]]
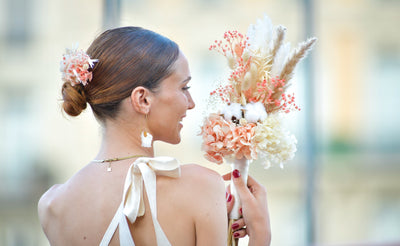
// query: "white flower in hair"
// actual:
[[75, 66]]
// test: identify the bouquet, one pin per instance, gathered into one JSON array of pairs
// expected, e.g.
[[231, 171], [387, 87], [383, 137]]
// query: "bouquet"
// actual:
[[248, 124]]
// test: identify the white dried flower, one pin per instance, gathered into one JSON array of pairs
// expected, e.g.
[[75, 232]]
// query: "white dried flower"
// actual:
[[274, 143], [255, 112], [234, 109]]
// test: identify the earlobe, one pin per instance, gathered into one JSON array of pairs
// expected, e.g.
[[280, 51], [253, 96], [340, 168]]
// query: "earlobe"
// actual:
[[140, 99]]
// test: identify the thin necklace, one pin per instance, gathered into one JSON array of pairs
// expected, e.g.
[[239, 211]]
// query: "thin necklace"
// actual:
[[116, 159]]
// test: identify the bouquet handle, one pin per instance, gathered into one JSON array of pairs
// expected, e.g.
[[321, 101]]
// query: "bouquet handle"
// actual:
[[243, 166]]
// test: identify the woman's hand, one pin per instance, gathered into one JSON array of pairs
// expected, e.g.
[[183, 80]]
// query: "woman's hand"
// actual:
[[238, 227], [254, 210]]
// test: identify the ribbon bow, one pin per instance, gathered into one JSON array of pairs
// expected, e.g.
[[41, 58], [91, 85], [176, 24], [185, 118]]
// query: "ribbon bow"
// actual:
[[145, 170]]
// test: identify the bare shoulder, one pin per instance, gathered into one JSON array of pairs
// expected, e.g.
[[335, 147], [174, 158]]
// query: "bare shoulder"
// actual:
[[61, 210], [196, 175], [53, 200], [195, 169], [208, 205], [204, 183], [57, 200], [49, 198], [196, 187], [49, 204]]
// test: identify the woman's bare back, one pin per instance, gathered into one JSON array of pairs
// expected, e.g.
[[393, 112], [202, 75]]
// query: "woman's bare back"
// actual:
[[79, 211]]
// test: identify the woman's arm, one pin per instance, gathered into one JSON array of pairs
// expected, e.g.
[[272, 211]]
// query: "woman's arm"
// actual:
[[210, 209]]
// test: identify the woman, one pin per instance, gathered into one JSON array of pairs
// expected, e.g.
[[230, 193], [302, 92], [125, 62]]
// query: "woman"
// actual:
[[138, 91]]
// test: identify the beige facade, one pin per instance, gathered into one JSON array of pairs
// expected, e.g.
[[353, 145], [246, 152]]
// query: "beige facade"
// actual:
[[357, 61]]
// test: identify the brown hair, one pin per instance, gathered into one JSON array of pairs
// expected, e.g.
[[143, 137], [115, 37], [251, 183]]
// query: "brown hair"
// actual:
[[127, 57]]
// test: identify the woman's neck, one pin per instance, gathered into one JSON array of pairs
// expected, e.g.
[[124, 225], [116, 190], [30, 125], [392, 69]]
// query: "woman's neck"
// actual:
[[122, 140]]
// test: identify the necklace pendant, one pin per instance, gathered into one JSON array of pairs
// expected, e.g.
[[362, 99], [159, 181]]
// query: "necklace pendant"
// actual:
[[109, 161]]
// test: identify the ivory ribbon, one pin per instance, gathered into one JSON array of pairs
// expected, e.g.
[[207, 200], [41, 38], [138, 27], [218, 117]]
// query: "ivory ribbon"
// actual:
[[145, 169]]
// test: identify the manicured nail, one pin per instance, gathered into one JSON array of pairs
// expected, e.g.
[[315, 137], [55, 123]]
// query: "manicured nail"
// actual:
[[236, 234], [240, 211], [236, 173], [235, 226], [229, 199]]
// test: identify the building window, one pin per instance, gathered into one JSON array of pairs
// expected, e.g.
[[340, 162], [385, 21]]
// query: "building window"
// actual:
[[18, 21]]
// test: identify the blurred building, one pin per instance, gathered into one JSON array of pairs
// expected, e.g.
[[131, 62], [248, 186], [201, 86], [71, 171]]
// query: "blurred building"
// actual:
[[357, 66]]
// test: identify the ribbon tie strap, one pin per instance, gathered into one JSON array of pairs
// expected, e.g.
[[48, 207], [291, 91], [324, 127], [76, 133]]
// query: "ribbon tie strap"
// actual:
[[145, 169]]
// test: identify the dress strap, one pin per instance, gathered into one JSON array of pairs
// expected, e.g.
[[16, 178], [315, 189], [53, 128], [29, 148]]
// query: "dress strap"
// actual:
[[149, 179], [143, 170], [112, 227], [119, 220]]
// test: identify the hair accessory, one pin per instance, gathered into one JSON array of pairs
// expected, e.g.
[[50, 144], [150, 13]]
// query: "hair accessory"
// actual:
[[147, 138], [76, 66], [116, 159]]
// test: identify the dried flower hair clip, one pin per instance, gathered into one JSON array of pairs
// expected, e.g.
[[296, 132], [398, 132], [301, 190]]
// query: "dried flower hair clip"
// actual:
[[76, 66]]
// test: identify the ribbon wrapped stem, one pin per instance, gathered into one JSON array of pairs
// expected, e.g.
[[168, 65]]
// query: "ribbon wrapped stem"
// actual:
[[243, 166]]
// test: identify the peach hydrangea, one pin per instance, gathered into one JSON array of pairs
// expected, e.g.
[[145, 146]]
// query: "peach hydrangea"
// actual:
[[222, 138], [216, 134], [242, 141]]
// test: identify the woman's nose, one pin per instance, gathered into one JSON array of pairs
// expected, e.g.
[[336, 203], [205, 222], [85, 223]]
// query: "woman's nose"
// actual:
[[191, 102]]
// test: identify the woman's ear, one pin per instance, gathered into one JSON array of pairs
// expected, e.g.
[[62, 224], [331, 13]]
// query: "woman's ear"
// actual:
[[141, 99]]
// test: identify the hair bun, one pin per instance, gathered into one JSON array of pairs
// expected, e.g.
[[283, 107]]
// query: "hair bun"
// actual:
[[74, 99]]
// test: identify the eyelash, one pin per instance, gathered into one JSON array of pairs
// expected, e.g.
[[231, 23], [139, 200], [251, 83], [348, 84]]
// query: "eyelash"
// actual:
[[186, 88]]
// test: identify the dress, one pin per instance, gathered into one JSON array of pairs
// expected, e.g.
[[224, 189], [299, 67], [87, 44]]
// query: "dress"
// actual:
[[143, 170]]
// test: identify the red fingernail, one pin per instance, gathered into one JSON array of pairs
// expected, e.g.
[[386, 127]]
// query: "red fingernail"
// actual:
[[236, 173], [240, 211], [226, 194], [236, 234], [229, 198], [235, 226]]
